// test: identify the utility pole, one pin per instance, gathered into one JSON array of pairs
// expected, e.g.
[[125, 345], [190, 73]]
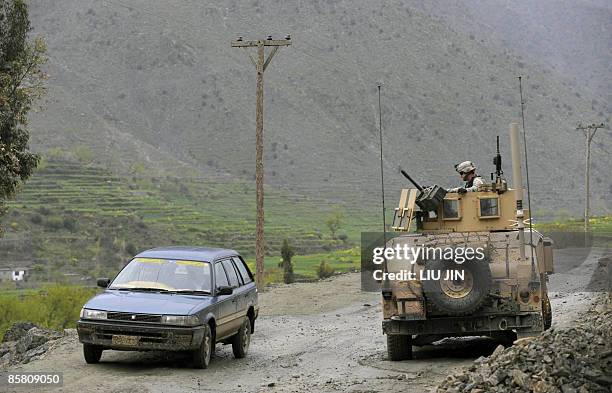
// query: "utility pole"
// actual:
[[589, 132], [260, 66]]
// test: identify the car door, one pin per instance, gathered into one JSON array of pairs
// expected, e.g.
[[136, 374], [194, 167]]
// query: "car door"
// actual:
[[235, 283], [226, 304], [248, 296]]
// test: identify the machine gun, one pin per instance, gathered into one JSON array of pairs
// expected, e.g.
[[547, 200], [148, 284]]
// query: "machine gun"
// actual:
[[499, 184], [429, 197]]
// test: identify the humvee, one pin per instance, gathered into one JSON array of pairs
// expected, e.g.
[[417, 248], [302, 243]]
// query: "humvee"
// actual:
[[503, 295]]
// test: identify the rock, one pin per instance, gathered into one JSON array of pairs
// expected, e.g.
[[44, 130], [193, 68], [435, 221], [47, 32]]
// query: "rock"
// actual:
[[567, 388], [498, 350], [9, 346], [604, 380], [17, 331], [543, 387], [520, 379], [497, 377], [523, 341], [36, 337]]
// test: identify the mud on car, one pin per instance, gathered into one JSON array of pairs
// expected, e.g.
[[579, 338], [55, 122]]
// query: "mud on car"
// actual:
[[173, 299]]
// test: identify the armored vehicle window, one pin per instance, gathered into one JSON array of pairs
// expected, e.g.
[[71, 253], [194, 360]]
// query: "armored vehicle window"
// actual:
[[231, 273], [220, 276], [244, 270], [489, 207], [450, 209]]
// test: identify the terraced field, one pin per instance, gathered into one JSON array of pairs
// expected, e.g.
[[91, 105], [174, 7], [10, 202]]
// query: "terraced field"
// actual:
[[77, 218]]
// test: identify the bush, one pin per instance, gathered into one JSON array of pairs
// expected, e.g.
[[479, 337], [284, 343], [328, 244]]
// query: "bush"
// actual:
[[130, 249], [324, 270], [287, 252], [36, 219], [54, 223], [55, 307], [70, 223], [45, 211]]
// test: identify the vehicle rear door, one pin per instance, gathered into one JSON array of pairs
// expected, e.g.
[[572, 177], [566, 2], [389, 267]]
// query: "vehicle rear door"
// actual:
[[248, 295]]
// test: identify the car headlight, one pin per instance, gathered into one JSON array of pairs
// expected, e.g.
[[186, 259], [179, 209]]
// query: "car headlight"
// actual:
[[183, 320], [92, 314]]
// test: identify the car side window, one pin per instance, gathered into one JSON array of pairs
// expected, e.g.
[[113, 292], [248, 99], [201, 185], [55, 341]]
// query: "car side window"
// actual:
[[220, 276], [231, 273], [247, 277]]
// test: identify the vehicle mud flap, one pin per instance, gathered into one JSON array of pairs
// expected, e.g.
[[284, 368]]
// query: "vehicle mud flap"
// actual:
[[399, 347], [546, 312], [457, 296]]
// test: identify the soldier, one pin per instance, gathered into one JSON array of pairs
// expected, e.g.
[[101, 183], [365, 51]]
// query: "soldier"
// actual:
[[467, 171]]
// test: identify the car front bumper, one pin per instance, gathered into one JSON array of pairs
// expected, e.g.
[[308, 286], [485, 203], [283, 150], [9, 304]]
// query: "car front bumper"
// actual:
[[141, 337]]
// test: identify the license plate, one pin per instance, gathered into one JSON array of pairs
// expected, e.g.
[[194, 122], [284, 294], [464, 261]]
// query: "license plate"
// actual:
[[128, 341]]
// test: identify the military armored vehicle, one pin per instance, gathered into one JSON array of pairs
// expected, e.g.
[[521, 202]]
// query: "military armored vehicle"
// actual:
[[502, 295]]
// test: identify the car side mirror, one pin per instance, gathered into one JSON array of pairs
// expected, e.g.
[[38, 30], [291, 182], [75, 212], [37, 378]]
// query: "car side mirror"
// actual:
[[103, 282], [225, 290]]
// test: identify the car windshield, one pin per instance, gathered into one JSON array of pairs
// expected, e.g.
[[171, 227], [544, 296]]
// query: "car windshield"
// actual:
[[164, 275]]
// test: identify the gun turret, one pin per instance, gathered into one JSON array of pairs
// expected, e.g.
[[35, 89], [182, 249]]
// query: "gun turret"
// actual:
[[430, 197]]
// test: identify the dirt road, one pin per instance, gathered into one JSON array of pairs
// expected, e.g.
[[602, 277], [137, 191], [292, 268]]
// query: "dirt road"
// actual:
[[323, 336]]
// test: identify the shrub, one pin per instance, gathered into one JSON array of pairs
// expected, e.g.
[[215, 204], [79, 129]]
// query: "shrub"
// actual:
[[36, 219], [70, 223], [55, 307], [324, 270], [130, 249], [287, 252], [54, 222]]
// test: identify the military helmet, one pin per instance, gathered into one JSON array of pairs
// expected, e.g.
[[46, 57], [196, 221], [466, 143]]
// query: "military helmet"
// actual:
[[465, 167]]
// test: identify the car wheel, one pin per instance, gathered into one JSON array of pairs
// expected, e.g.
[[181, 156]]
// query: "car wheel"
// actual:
[[201, 356], [92, 353], [241, 341]]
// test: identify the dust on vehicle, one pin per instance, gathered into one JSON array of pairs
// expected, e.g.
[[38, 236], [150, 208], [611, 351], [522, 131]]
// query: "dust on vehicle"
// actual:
[[502, 295]]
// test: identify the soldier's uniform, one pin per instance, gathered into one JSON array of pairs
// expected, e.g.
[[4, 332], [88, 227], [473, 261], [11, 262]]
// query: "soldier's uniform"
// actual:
[[471, 185]]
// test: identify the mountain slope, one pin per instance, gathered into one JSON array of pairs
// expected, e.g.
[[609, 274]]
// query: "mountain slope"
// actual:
[[156, 84]]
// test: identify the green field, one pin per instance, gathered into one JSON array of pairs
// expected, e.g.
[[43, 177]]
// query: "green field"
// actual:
[[76, 218]]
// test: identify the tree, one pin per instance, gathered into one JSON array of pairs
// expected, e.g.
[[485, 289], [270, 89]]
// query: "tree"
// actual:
[[21, 82], [333, 223], [287, 252]]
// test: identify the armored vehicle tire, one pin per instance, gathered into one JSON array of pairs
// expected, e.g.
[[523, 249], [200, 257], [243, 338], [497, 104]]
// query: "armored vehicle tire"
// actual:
[[399, 347], [454, 296], [92, 353], [202, 355], [546, 312], [242, 339]]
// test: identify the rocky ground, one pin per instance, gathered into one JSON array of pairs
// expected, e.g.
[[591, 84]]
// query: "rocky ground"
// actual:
[[326, 336], [576, 359], [25, 341]]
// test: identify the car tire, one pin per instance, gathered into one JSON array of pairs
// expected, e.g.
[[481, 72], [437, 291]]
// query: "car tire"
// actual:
[[399, 347], [92, 353], [202, 355], [471, 293], [242, 339]]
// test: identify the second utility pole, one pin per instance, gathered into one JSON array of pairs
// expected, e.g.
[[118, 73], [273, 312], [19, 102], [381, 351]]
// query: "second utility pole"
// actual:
[[589, 133], [260, 67]]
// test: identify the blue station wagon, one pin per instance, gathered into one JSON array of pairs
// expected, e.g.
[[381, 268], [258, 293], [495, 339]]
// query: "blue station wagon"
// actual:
[[173, 299]]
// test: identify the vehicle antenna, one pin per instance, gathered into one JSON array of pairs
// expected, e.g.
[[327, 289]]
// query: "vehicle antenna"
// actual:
[[382, 176], [527, 178]]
